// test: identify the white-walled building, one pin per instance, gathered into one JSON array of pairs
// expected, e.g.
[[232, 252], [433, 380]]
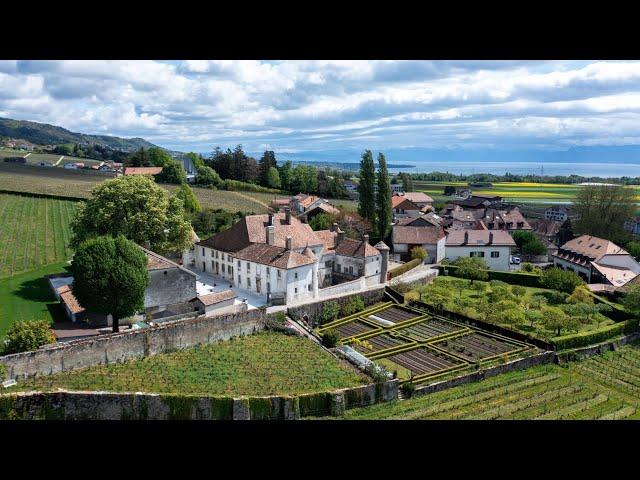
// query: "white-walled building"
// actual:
[[406, 237], [558, 213], [494, 247], [597, 261], [278, 256]]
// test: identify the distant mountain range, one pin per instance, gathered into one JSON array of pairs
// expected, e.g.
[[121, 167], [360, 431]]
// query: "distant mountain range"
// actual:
[[45, 134]]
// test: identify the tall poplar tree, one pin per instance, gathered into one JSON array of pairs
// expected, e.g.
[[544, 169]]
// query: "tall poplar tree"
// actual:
[[367, 202], [383, 198]]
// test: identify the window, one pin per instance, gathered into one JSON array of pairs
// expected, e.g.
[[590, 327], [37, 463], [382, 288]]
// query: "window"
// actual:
[[239, 264], [268, 287], [248, 267], [338, 268], [212, 267], [278, 273], [239, 280], [216, 254], [309, 287], [495, 254], [267, 271], [203, 252], [223, 268], [248, 282], [328, 264], [476, 254], [296, 275], [295, 290]]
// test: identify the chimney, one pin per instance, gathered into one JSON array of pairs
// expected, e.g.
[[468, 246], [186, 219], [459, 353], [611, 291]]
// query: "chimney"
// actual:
[[490, 238], [287, 215], [270, 219], [334, 227], [288, 243], [466, 238], [339, 237], [271, 234], [365, 238]]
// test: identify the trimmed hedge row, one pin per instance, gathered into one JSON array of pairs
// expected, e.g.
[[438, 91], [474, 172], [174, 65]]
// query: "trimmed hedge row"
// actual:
[[524, 279], [396, 272], [247, 187], [619, 313], [585, 339]]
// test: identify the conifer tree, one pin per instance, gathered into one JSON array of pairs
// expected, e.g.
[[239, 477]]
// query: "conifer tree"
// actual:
[[366, 204], [383, 199]]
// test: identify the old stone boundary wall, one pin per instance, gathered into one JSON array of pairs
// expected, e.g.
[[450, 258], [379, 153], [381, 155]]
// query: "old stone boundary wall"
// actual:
[[599, 349], [64, 405], [123, 346], [519, 364], [313, 310]]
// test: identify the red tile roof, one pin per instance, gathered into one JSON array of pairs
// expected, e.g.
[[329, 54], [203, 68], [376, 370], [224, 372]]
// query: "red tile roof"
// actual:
[[356, 248], [142, 170], [417, 197], [403, 203], [479, 238], [273, 256], [217, 297], [417, 235]]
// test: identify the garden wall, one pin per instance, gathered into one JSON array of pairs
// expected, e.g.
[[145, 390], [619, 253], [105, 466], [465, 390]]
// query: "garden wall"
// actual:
[[146, 406], [343, 288], [519, 364], [590, 351], [313, 310], [123, 346]]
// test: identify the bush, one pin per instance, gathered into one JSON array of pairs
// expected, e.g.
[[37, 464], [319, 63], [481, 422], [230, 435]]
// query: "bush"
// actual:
[[237, 185], [472, 268], [24, 336], [580, 295], [408, 389], [354, 305], [519, 291], [405, 267], [595, 336], [561, 280], [330, 338], [418, 253], [513, 278], [330, 312]]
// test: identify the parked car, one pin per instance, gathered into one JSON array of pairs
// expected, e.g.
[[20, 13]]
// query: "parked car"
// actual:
[[515, 260]]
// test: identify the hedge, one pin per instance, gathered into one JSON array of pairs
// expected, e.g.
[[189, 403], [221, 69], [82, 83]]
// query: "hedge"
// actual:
[[247, 187], [524, 279], [405, 267], [585, 339], [619, 313]]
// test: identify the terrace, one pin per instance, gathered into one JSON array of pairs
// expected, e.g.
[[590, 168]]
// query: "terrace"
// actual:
[[421, 346]]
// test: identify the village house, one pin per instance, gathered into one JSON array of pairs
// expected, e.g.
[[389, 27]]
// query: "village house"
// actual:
[[558, 213], [216, 303], [597, 261], [189, 169], [430, 237], [325, 208], [420, 199], [278, 256], [494, 247], [633, 225], [302, 202], [403, 207]]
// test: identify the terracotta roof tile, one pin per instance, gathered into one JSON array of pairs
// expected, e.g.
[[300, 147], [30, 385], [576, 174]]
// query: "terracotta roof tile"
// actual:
[[68, 298], [273, 256], [356, 248], [417, 235], [418, 197], [403, 203], [479, 237], [217, 297], [142, 170], [593, 247]]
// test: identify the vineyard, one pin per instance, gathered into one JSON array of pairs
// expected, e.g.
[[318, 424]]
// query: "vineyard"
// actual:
[[33, 232], [603, 387], [420, 346], [261, 364]]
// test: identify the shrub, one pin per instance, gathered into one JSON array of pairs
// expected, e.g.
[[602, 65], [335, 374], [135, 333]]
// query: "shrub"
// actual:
[[24, 336], [561, 280], [353, 305], [472, 268], [418, 253], [580, 295], [330, 338], [408, 389], [405, 267], [518, 291], [376, 372], [330, 312], [534, 247], [247, 187]]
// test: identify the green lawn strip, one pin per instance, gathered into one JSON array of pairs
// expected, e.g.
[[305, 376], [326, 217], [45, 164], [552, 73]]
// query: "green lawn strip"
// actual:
[[262, 364], [9, 239], [28, 296], [6, 218], [18, 232]]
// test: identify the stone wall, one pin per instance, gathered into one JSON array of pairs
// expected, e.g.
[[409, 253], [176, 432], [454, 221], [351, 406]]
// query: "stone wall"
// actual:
[[586, 352], [170, 286], [147, 406], [123, 346], [313, 310], [343, 288]]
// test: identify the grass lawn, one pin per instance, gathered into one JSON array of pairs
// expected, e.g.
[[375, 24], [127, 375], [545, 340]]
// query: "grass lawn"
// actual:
[[463, 299], [602, 387], [263, 364], [28, 296], [33, 232]]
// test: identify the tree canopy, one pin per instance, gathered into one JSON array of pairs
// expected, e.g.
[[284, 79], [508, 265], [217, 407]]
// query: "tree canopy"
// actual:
[[366, 190], [172, 172], [189, 201], [110, 277], [383, 199], [472, 268], [561, 280], [24, 336], [136, 207]]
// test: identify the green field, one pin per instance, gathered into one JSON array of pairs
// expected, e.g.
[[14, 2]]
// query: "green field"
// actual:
[[525, 192], [262, 364], [33, 232], [28, 296], [603, 387]]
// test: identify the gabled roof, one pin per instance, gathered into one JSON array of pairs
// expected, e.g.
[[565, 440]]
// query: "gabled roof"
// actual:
[[477, 238], [252, 229], [217, 297], [403, 203], [421, 221], [417, 197], [68, 298], [142, 170], [416, 235], [617, 276], [593, 247], [356, 248], [273, 256], [308, 201], [328, 238]]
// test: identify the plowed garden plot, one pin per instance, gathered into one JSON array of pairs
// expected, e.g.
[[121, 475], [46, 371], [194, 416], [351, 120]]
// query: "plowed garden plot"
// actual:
[[424, 360], [476, 346], [421, 346], [395, 315], [429, 329]]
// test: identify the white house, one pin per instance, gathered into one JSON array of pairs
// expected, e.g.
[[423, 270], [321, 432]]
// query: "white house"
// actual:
[[558, 213], [406, 237], [403, 207], [494, 247], [597, 261]]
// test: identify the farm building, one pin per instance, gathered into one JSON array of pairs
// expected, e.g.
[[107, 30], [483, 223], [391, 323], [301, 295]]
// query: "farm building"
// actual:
[[216, 303], [406, 237]]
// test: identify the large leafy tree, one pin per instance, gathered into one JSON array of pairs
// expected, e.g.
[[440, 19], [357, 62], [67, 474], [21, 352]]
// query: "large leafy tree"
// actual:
[[189, 200], [561, 280], [273, 178], [267, 161], [110, 276], [472, 268], [304, 179], [286, 176], [139, 209], [602, 211], [383, 199], [139, 158], [172, 172], [159, 157], [207, 176], [407, 182], [366, 190]]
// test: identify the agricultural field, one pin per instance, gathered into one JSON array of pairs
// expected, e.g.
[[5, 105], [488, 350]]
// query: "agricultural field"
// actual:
[[33, 232], [603, 387], [524, 192], [419, 346], [262, 364], [490, 301]]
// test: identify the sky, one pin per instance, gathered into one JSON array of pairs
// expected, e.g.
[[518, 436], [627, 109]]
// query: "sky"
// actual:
[[315, 106]]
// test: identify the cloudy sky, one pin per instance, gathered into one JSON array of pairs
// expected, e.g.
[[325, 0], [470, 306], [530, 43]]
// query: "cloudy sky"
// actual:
[[291, 106]]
